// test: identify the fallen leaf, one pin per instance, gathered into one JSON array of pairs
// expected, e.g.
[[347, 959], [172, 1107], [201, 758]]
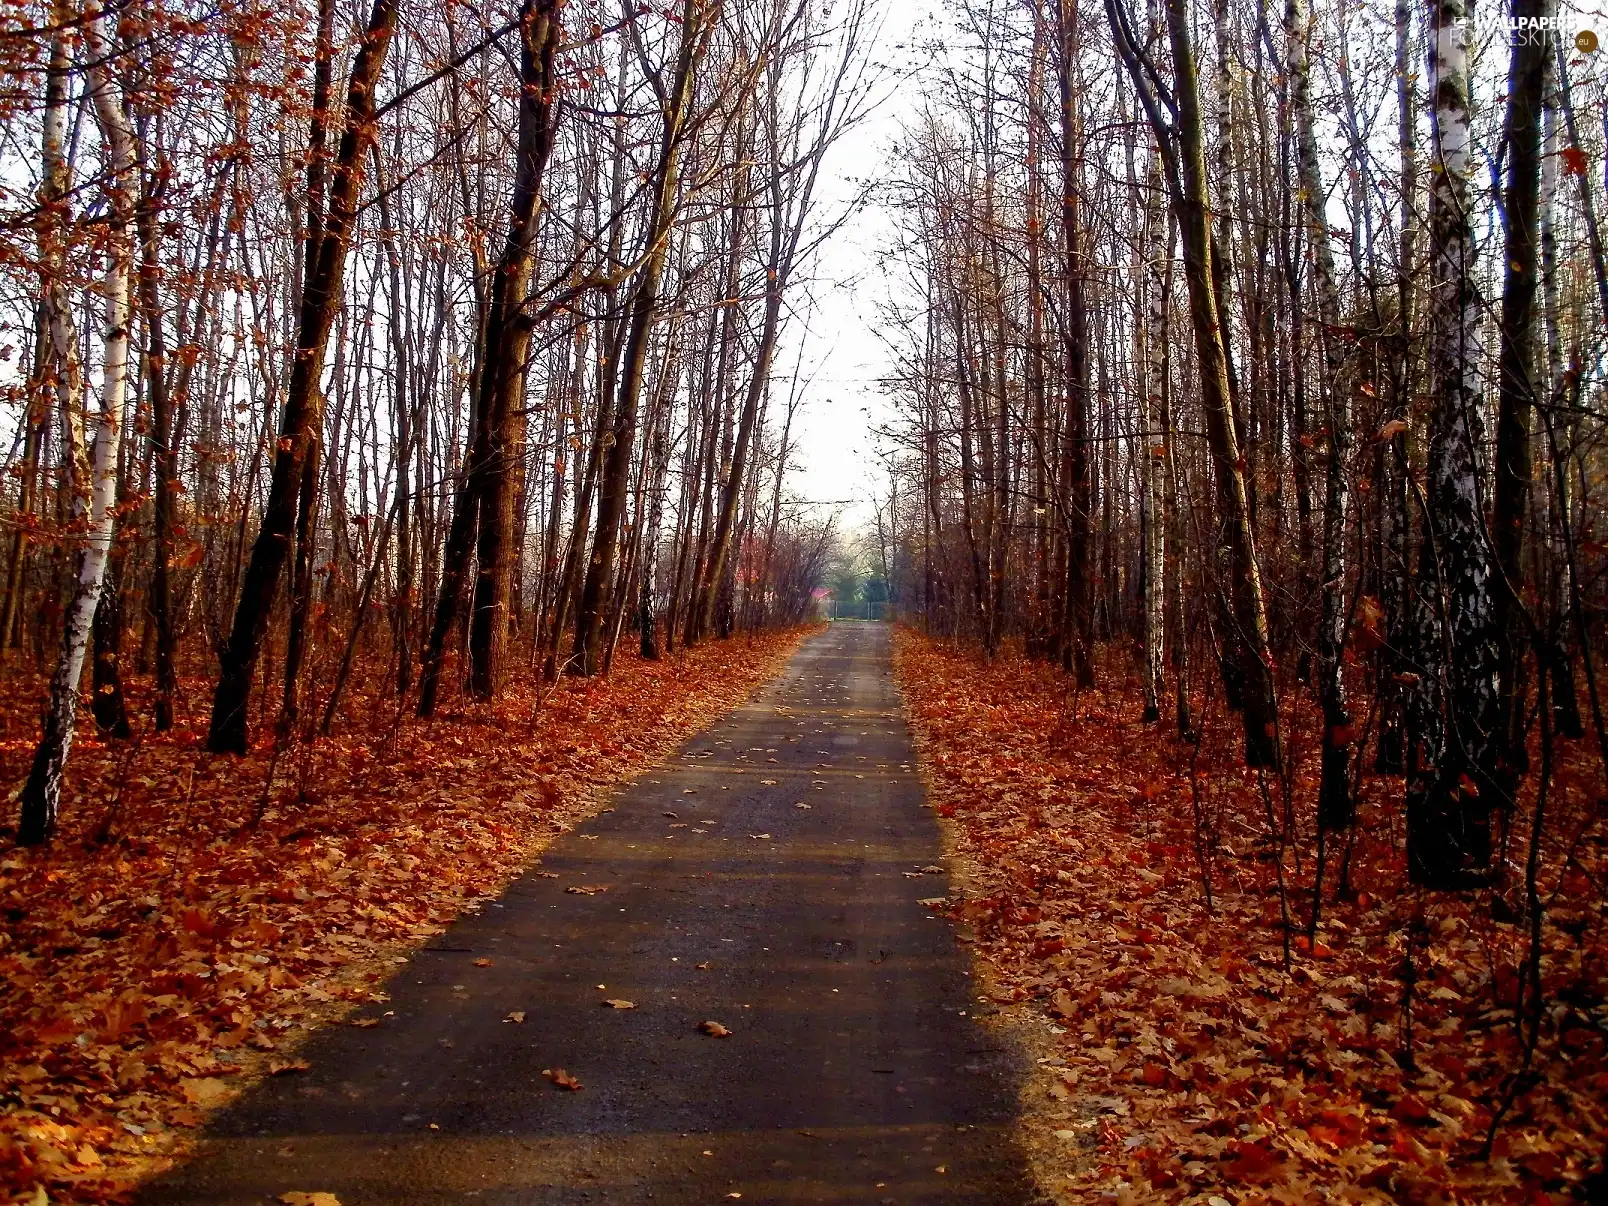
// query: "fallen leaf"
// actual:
[[162, 958], [586, 889], [562, 1079], [297, 1197], [619, 1003], [714, 1029], [283, 1067], [482, 962], [517, 1015], [204, 1090]]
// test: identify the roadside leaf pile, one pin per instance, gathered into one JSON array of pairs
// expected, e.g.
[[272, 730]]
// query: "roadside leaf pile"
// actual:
[[188, 924], [1177, 1058]]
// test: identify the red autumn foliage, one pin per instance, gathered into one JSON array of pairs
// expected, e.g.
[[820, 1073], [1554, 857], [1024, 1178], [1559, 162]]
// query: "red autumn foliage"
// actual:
[[1183, 1060], [182, 926]]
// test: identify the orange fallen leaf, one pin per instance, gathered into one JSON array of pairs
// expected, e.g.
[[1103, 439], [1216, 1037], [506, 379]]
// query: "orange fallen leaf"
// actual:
[[204, 1090], [284, 1067], [482, 962], [562, 1079], [619, 1003], [713, 1029]]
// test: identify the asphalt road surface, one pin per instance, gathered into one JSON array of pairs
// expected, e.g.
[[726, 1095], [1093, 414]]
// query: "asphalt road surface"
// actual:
[[767, 878]]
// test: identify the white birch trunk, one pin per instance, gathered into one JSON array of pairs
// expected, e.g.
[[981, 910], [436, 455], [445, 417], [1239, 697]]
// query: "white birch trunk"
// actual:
[[55, 184], [42, 795], [1454, 705]]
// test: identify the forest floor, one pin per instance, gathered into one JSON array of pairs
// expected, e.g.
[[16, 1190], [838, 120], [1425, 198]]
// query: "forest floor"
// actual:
[[189, 926], [1179, 1058]]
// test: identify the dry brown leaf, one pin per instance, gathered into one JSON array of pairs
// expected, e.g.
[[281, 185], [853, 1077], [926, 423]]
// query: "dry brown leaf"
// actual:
[[204, 1091], [290, 908], [714, 1029]]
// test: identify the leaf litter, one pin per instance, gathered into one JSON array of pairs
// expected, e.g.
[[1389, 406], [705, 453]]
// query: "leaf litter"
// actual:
[[166, 947], [1176, 1059]]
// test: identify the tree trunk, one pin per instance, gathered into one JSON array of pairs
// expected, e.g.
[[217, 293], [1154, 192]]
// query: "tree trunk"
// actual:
[[41, 795], [1334, 793], [1186, 180], [1519, 373], [644, 309], [1155, 440], [299, 431], [1391, 747], [164, 453], [1454, 714]]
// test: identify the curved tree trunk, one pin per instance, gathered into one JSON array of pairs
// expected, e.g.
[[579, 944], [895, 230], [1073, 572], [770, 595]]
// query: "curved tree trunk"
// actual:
[[595, 591], [1185, 163], [299, 433]]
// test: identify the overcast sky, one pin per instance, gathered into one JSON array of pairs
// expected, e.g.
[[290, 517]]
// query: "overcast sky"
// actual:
[[834, 458], [842, 357]]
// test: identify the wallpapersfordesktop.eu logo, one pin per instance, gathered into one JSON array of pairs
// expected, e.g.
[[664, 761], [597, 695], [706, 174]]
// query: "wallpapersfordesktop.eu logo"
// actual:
[[1575, 31], [1571, 29]]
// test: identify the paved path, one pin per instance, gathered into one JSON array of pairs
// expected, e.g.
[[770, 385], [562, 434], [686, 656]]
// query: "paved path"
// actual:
[[852, 1073]]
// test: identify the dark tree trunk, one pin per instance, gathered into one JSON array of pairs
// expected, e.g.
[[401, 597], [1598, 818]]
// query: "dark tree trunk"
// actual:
[[613, 488], [298, 430]]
